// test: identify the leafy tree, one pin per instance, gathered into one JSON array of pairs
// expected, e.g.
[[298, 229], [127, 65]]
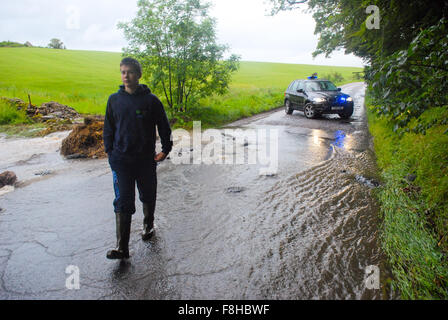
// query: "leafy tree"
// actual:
[[413, 80], [175, 42], [56, 44]]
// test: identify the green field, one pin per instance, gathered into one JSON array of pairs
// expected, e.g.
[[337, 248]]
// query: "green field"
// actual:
[[85, 79]]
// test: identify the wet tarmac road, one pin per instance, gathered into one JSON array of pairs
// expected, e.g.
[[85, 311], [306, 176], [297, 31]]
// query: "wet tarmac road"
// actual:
[[306, 231]]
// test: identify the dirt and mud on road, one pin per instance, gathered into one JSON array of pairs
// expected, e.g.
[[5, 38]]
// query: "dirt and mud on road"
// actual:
[[309, 230]]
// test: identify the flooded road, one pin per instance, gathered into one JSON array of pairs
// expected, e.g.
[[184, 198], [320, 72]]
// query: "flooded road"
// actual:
[[308, 230]]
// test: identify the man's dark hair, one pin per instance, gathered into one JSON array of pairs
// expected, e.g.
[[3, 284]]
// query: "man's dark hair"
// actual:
[[132, 62]]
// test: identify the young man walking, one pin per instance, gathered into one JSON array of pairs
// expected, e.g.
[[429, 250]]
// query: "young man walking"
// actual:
[[132, 115]]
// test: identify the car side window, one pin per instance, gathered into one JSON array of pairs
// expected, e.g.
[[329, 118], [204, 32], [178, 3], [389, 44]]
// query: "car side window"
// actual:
[[300, 86], [294, 86], [291, 85]]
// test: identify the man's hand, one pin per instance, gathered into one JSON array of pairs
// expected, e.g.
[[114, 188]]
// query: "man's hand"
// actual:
[[160, 157]]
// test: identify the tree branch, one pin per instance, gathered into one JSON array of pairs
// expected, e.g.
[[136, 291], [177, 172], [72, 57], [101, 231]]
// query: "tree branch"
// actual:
[[282, 5], [159, 54], [292, 2]]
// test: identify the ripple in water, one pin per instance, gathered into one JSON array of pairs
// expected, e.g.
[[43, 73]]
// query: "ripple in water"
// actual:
[[319, 229]]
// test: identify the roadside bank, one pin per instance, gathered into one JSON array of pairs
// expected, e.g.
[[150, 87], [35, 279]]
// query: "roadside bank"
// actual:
[[414, 202]]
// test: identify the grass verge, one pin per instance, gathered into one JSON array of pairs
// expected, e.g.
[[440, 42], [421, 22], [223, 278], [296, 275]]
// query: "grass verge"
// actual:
[[215, 111], [414, 204]]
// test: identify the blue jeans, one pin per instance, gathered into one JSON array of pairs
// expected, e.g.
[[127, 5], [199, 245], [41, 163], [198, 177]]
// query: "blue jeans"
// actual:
[[126, 175]]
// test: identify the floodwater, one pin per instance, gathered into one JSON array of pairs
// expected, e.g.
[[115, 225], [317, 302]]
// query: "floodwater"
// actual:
[[305, 228]]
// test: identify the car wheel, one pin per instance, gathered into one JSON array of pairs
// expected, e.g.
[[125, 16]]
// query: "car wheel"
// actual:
[[288, 109], [347, 113], [309, 111]]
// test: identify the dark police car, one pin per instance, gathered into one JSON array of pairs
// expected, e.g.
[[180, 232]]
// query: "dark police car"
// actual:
[[315, 97]]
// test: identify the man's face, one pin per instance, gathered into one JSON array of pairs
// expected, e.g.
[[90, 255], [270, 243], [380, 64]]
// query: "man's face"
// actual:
[[129, 75]]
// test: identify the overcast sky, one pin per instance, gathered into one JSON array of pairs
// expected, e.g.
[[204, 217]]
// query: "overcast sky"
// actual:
[[242, 24]]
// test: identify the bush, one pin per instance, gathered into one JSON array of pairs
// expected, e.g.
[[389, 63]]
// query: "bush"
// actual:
[[11, 44], [10, 115], [335, 77]]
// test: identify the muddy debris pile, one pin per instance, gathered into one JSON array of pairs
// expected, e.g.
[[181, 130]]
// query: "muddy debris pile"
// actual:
[[7, 178], [85, 140], [52, 111], [55, 116], [47, 111]]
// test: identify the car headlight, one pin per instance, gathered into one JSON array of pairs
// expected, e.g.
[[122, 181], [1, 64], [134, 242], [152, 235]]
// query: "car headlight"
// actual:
[[319, 100], [349, 99]]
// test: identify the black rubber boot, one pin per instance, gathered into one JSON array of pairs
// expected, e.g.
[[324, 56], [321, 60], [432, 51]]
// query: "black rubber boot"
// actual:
[[123, 223], [148, 221]]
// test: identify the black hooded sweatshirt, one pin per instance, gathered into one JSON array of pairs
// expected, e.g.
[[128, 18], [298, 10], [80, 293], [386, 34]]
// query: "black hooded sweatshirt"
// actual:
[[130, 125]]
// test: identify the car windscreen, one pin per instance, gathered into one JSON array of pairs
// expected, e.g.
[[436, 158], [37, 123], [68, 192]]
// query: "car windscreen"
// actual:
[[320, 86]]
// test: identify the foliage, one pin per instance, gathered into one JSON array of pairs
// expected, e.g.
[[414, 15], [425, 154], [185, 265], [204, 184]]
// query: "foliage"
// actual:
[[418, 266], [10, 115], [56, 44], [414, 212], [176, 43], [414, 80], [335, 77]]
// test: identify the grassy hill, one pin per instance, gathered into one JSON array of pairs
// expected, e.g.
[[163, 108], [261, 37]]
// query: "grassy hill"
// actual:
[[85, 79]]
